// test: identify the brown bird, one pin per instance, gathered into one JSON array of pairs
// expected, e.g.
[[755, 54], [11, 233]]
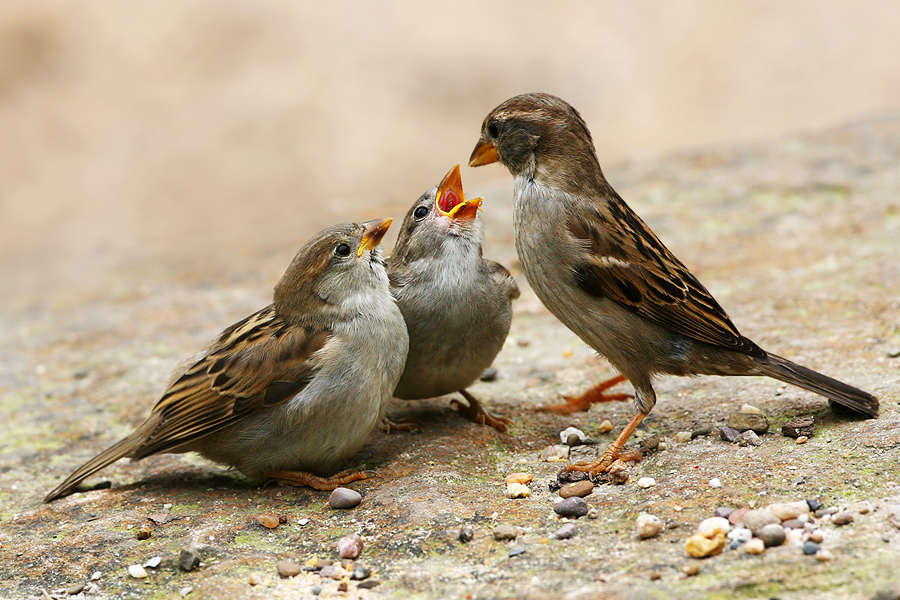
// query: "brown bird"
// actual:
[[596, 266], [294, 389], [457, 305]]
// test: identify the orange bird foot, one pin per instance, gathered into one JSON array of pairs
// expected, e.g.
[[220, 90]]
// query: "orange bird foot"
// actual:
[[389, 424], [300, 478], [593, 396], [476, 412]]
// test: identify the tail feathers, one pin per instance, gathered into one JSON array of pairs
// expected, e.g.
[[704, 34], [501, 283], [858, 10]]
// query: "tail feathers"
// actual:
[[855, 399], [107, 457]]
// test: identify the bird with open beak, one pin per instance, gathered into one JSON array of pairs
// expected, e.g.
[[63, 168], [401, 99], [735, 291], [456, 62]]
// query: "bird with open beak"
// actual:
[[598, 267], [457, 305], [293, 390]]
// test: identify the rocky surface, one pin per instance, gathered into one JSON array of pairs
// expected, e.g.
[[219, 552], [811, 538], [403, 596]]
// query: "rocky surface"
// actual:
[[798, 240]]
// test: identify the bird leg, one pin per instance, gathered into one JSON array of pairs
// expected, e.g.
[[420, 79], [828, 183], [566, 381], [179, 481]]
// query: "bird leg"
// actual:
[[301, 478], [614, 452], [592, 396], [476, 412], [389, 424]]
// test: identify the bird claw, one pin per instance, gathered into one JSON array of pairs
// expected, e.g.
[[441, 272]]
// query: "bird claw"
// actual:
[[390, 424], [476, 412], [302, 478], [605, 463], [592, 396]]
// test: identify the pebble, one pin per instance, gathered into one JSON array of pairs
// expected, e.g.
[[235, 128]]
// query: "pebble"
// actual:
[[810, 547], [360, 573], [748, 421], [142, 533], [690, 569], [802, 439], [185, 591], [571, 507], [813, 504], [75, 588], [646, 482], [754, 546], [288, 568], [554, 453], [816, 536], [153, 562], [755, 520], [96, 575], [798, 426], [683, 436], [268, 521], [821, 512], [788, 510], [618, 474], [737, 516], [329, 572], [700, 546], [842, 518], [792, 524], [516, 551], [517, 490], [650, 443], [715, 482], [489, 374], [772, 535], [189, 559], [568, 432], [368, 584], [748, 438], [505, 531], [317, 589], [794, 537], [729, 434], [740, 535], [350, 546], [648, 526], [594, 513], [824, 555], [578, 488], [254, 579], [714, 526], [749, 409], [466, 534], [566, 532], [344, 498], [137, 571], [605, 427], [700, 432], [724, 511], [519, 478]]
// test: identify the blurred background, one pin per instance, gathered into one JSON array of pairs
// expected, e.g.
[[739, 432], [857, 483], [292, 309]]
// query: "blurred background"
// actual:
[[205, 140]]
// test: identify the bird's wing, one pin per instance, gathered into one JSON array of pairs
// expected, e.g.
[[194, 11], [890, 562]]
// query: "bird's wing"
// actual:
[[256, 363], [502, 277], [630, 266]]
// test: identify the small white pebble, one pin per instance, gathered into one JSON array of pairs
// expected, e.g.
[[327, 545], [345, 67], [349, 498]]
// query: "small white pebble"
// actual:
[[662, 446], [185, 591], [715, 482], [517, 490], [303, 521], [795, 537], [677, 508], [646, 482], [740, 534], [137, 571], [802, 439], [750, 409], [167, 505], [683, 437], [494, 515], [153, 562], [754, 546], [709, 528], [605, 427], [97, 575], [565, 433], [803, 518], [648, 526], [824, 555]]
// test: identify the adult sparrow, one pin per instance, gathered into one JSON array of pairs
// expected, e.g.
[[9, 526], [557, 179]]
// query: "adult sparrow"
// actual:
[[457, 305], [596, 266], [295, 388]]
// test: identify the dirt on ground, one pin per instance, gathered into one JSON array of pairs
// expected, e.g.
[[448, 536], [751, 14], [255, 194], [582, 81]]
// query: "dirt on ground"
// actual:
[[796, 237]]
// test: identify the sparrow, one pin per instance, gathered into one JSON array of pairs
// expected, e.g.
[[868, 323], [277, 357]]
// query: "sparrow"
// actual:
[[457, 305], [294, 389], [599, 269]]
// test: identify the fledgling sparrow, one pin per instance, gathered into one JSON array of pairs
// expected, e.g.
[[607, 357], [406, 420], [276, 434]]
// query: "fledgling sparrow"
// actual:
[[457, 305], [596, 266], [294, 389]]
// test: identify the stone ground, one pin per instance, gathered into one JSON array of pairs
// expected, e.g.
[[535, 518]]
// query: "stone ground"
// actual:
[[797, 238]]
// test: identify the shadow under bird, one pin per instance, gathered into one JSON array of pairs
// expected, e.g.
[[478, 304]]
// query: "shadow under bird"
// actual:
[[597, 266], [457, 305], [294, 389]]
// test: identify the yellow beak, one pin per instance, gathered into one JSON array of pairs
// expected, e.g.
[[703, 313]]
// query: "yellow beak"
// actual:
[[451, 200], [484, 153], [374, 231]]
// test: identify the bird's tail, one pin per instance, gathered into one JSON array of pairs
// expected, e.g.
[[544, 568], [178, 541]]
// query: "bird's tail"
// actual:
[[107, 457], [855, 399]]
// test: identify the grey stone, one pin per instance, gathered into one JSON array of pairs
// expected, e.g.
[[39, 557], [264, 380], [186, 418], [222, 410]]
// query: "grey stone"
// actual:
[[571, 507], [505, 531], [189, 559], [755, 520], [799, 426], [810, 548], [466, 534], [724, 511], [566, 532], [729, 434], [748, 438], [288, 568], [772, 535], [344, 498], [748, 422]]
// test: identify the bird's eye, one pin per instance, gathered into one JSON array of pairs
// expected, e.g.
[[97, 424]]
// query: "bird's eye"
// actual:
[[342, 250], [494, 129], [421, 212]]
